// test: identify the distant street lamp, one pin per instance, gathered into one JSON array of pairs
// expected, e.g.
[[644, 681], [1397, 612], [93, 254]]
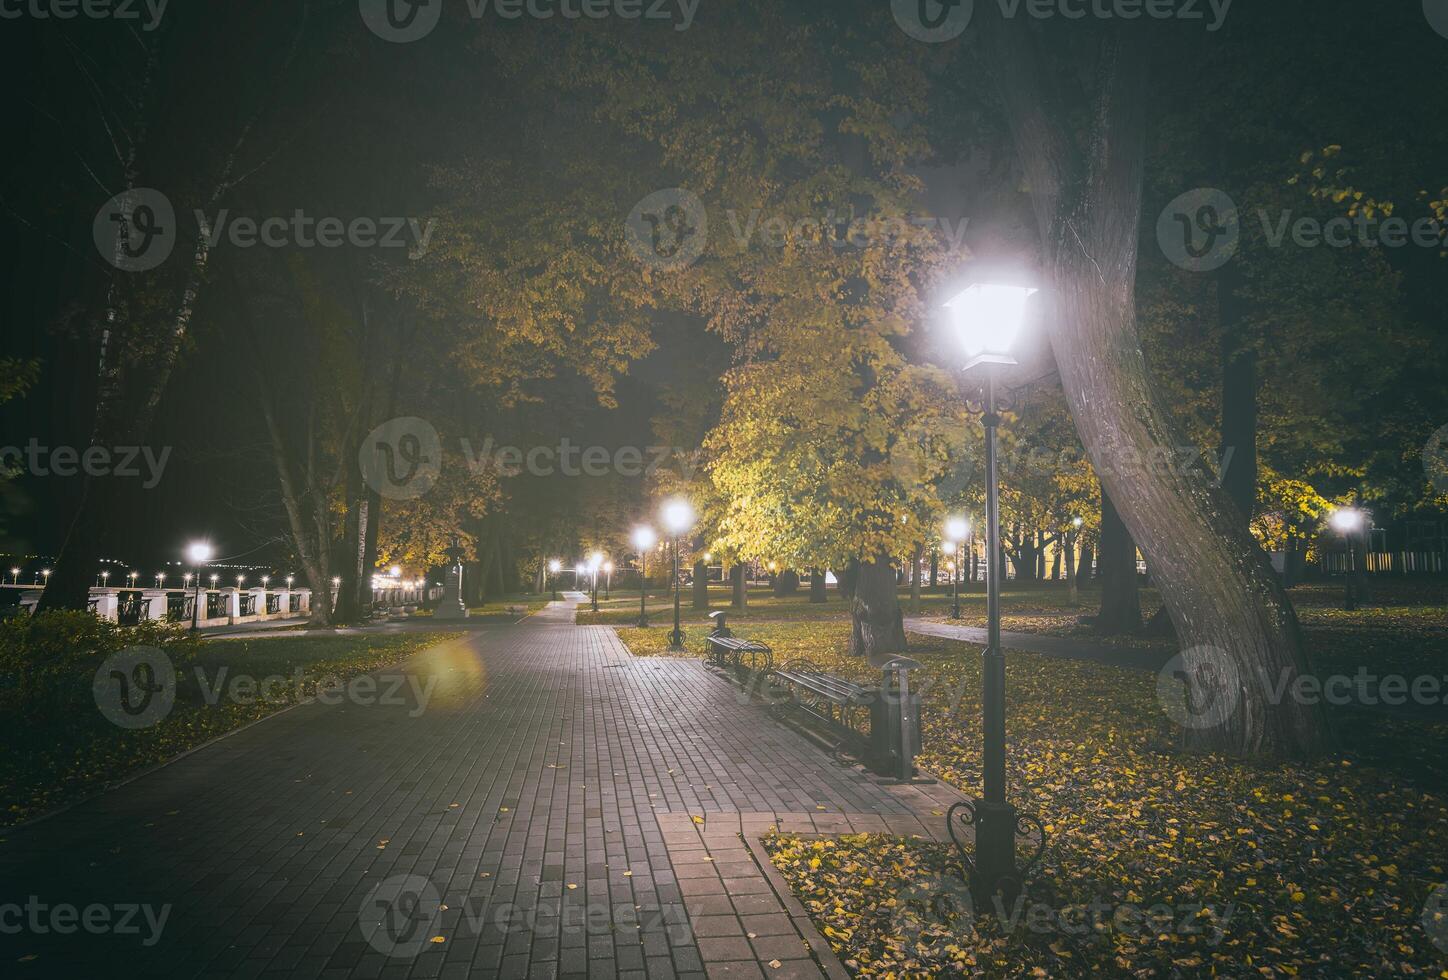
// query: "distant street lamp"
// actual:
[[678, 518], [160, 580], [46, 575], [14, 576], [132, 576], [1072, 574], [957, 529], [595, 562], [1349, 522], [105, 577], [198, 553], [644, 538], [554, 567], [987, 317]]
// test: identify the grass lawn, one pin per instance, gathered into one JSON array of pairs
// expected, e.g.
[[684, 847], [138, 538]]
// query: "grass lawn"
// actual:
[[1309, 869], [78, 752]]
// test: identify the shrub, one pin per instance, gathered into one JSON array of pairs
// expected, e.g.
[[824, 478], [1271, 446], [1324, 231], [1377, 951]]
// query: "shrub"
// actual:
[[48, 661]]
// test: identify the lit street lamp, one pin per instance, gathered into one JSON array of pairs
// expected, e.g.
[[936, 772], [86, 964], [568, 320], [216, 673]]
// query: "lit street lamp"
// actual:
[[199, 553], [644, 538], [554, 567], [14, 576], [956, 531], [46, 575], [1349, 522], [595, 562], [987, 318], [678, 519]]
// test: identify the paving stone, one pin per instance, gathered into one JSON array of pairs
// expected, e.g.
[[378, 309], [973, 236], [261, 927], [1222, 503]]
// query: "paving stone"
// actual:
[[548, 757]]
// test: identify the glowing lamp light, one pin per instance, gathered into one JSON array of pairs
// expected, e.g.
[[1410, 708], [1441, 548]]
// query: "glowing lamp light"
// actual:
[[199, 553], [957, 529], [1077, 522], [1347, 520], [987, 318], [678, 516], [395, 571], [644, 537], [555, 566], [608, 567]]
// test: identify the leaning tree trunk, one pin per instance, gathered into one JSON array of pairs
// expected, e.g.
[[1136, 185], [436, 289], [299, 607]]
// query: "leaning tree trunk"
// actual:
[[1238, 629], [740, 581], [877, 628]]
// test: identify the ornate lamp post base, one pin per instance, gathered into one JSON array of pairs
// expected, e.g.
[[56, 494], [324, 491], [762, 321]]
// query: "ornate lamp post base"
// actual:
[[991, 867]]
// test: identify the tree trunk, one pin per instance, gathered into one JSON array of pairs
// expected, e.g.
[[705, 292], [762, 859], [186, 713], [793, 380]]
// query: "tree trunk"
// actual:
[[877, 628], [934, 568], [701, 583], [1072, 589], [740, 581], [1120, 595], [817, 589], [915, 557], [1237, 626], [846, 579]]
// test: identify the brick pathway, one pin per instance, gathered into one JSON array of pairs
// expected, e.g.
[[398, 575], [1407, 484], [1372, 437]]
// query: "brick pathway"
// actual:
[[548, 812]]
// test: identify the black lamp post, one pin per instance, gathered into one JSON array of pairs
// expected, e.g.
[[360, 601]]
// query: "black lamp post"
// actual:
[[199, 553], [1349, 522], [554, 567], [594, 563], [644, 538], [678, 519], [988, 318]]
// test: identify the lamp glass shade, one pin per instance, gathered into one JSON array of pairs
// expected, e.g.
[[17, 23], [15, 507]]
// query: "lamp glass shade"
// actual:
[[678, 516], [199, 553], [988, 317], [957, 529], [1347, 520]]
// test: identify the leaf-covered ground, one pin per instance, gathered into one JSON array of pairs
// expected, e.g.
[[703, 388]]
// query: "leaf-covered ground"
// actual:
[[43, 768], [1321, 869]]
